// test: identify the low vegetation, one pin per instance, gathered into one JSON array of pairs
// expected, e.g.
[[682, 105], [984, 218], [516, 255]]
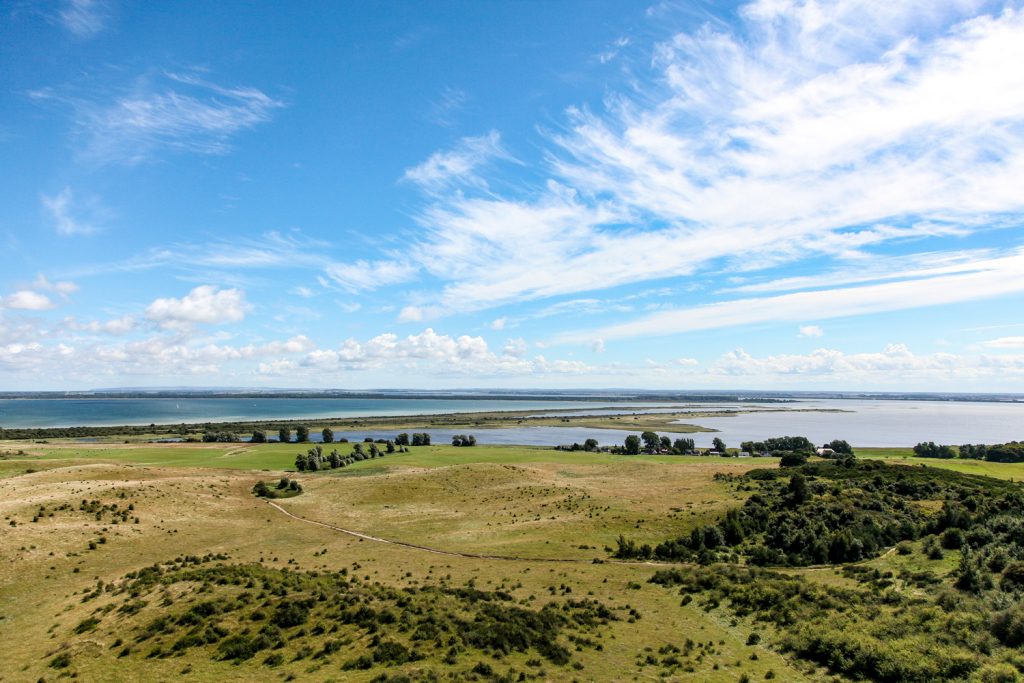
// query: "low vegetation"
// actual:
[[239, 612]]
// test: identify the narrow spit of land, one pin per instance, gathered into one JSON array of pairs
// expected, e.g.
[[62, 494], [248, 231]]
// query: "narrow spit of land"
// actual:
[[679, 419]]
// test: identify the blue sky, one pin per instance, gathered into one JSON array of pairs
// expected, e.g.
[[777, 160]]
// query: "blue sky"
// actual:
[[766, 195]]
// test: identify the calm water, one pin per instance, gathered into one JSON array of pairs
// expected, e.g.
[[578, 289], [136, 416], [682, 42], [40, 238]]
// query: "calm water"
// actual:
[[862, 422], [877, 423], [143, 411]]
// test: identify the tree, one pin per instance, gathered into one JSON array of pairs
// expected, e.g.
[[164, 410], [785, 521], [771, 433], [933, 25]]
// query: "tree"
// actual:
[[328, 435], [300, 462], [651, 441], [632, 444], [312, 462], [718, 445], [374, 451], [681, 446], [798, 489], [471, 441], [666, 443], [402, 439], [334, 459], [590, 445], [302, 433], [258, 436], [792, 459], [841, 446], [261, 490], [968, 576], [284, 435], [390, 446]]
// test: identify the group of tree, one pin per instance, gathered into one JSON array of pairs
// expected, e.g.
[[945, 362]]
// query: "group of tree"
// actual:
[[1012, 451], [314, 459], [219, 437], [418, 439], [650, 443], [463, 440], [286, 488], [590, 446]]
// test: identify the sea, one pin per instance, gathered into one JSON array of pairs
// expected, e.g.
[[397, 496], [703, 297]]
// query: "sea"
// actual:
[[862, 422]]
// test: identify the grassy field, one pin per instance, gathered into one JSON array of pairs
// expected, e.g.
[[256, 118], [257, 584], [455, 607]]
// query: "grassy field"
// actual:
[[77, 516], [194, 499]]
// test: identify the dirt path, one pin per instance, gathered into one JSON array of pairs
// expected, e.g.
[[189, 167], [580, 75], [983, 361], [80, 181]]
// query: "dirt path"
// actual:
[[516, 558], [451, 553]]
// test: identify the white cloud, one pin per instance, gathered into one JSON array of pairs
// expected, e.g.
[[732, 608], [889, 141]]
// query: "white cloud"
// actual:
[[810, 331], [515, 348], [613, 50], [174, 112], [1005, 343], [63, 288], [410, 314], [304, 292], [84, 18], [26, 300], [432, 353], [115, 326], [205, 304], [812, 129], [498, 324], [597, 346], [894, 364], [458, 166], [990, 278], [445, 109], [69, 217], [369, 275]]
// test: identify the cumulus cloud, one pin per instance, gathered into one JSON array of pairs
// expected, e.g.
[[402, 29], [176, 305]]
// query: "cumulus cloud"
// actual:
[[428, 352], [64, 288], [810, 331], [205, 304], [896, 362], [115, 326], [26, 300]]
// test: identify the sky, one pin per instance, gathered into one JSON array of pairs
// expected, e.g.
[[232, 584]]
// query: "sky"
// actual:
[[773, 195]]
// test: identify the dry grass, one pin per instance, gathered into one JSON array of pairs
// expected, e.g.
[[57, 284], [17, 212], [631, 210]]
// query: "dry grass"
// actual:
[[468, 505]]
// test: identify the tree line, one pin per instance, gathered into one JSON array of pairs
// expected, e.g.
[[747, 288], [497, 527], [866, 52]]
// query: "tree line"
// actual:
[[1012, 451]]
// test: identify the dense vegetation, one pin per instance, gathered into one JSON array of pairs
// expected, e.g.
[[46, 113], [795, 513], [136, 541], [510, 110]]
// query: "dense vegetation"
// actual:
[[240, 612], [908, 625], [1000, 452], [847, 510]]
